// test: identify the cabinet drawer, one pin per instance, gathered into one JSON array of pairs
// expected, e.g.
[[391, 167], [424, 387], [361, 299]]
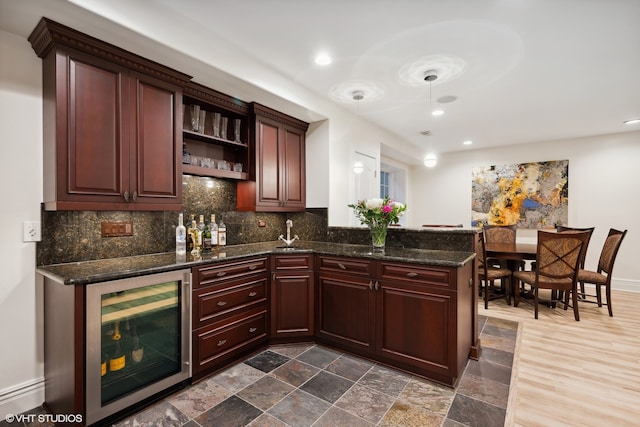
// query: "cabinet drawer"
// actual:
[[205, 276], [211, 345], [358, 266], [415, 274], [292, 262], [210, 303]]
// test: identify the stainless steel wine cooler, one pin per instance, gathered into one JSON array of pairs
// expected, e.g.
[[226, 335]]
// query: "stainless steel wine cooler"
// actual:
[[137, 340]]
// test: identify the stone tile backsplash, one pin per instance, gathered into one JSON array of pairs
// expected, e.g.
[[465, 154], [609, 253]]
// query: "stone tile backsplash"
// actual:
[[72, 236]]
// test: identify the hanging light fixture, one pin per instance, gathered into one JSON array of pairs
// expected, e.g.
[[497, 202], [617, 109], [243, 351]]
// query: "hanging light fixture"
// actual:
[[430, 159]]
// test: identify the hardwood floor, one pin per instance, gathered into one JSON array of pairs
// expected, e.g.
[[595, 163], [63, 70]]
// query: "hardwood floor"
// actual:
[[570, 373]]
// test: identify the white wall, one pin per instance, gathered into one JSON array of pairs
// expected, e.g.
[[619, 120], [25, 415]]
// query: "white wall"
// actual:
[[604, 174], [21, 372]]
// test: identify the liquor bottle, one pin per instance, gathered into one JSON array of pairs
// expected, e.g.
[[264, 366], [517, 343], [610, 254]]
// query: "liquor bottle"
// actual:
[[213, 228], [118, 360], [196, 237], [222, 234], [181, 237], [206, 239], [189, 234]]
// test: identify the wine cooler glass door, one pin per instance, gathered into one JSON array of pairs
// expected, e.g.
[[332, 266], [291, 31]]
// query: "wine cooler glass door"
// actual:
[[137, 344]]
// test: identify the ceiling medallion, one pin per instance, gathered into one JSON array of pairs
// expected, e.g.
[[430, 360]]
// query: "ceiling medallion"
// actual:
[[447, 67], [366, 91]]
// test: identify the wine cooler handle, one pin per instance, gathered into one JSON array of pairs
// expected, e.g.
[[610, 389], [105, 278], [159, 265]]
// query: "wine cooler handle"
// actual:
[[221, 343]]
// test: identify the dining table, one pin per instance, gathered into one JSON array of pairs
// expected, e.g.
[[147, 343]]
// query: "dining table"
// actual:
[[514, 254]]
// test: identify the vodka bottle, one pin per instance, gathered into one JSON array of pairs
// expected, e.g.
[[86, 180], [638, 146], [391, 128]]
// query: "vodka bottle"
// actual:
[[181, 237]]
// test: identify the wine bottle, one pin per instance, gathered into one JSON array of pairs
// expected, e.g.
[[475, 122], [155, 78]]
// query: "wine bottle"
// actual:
[[137, 352], [213, 228], [118, 359], [222, 234], [181, 237]]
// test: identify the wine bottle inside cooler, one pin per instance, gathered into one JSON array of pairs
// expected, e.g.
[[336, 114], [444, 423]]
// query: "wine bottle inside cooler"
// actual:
[[118, 360]]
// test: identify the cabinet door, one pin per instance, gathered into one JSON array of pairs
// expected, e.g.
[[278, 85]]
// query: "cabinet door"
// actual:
[[292, 304], [91, 140], [293, 177], [346, 312], [416, 325], [269, 172], [156, 136]]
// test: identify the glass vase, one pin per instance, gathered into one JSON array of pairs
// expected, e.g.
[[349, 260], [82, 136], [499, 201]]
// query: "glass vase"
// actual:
[[378, 236]]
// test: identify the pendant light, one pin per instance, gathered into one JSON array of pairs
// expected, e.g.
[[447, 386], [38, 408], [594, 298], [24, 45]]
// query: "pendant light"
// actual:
[[430, 159]]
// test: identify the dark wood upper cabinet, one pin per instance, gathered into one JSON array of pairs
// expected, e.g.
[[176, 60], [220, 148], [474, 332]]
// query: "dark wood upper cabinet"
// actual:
[[112, 125], [277, 163]]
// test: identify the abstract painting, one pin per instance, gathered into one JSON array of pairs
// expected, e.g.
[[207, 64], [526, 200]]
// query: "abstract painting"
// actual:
[[531, 195]]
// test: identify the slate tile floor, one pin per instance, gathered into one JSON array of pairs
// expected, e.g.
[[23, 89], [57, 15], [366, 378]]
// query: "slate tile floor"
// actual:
[[311, 385]]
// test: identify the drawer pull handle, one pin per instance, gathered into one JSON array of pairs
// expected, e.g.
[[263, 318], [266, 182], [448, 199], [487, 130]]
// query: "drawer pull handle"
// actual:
[[221, 343], [253, 267], [221, 273], [377, 285], [253, 294], [342, 266], [370, 285], [222, 303], [412, 274], [252, 330]]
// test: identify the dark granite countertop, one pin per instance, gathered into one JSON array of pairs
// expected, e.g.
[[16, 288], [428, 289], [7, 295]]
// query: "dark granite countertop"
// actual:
[[87, 272]]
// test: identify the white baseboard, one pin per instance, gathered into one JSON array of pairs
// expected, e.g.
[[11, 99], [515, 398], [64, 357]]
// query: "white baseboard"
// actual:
[[625, 285], [21, 397]]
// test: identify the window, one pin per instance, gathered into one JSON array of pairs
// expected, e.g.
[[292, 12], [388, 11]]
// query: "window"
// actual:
[[384, 184]]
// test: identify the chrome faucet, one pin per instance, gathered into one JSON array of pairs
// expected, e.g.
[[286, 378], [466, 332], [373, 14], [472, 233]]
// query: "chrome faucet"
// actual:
[[288, 240]]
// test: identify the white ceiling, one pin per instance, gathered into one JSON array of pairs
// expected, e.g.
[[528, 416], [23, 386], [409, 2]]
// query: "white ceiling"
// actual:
[[521, 70]]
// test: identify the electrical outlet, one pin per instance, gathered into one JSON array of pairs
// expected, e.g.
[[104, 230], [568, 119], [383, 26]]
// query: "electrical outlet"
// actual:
[[31, 231]]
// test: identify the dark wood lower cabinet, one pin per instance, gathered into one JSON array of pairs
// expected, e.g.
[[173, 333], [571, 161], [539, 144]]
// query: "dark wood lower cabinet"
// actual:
[[292, 298], [410, 316], [230, 313]]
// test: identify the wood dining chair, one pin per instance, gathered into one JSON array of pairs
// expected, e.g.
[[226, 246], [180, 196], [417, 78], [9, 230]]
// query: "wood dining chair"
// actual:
[[557, 265], [602, 276], [583, 255], [488, 274]]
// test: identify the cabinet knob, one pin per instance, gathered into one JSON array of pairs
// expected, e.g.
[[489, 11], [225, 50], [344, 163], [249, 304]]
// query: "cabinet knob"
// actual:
[[252, 330], [253, 294], [412, 274], [221, 343], [377, 285], [126, 195], [221, 303], [370, 285], [135, 196]]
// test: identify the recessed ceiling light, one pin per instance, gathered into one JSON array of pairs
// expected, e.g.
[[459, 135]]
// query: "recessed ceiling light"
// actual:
[[437, 112], [632, 121], [467, 142], [323, 59]]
